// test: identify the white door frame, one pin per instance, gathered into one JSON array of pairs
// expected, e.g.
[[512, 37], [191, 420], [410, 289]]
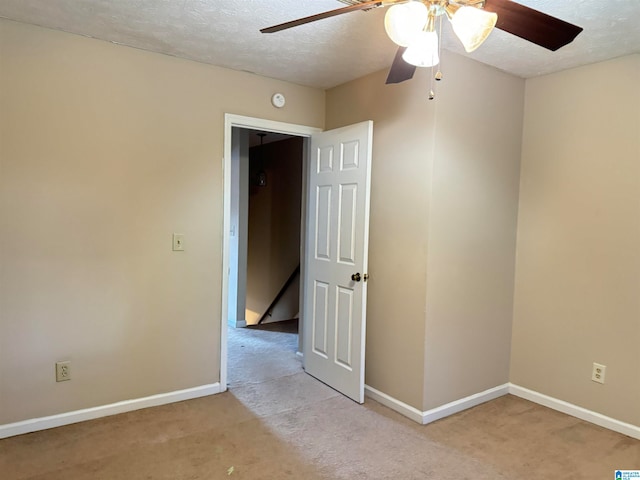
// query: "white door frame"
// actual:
[[230, 121]]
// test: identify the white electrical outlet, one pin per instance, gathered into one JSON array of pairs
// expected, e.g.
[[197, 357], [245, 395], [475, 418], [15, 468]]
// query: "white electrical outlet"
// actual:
[[63, 371], [597, 374]]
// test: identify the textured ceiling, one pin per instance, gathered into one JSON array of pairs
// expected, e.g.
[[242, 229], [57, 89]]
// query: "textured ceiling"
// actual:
[[325, 53]]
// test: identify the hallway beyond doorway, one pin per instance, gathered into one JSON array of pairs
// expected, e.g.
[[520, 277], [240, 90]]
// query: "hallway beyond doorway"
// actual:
[[262, 353]]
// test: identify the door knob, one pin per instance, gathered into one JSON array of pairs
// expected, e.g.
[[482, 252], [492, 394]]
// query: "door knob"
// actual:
[[355, 277]]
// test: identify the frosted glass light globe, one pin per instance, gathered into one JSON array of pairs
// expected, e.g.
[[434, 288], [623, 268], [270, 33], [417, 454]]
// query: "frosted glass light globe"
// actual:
[[404, 21], [423, 51], [472, 26]]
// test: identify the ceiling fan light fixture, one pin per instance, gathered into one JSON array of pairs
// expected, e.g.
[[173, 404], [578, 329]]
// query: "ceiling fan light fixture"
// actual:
[[404, 21], [423, 51], [472, 26]]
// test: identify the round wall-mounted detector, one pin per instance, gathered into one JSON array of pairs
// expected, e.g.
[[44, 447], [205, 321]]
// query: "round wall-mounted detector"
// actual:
[[278, 100]]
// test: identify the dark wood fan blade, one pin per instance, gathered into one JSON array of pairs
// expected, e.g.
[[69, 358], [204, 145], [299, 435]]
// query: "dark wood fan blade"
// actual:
[[320, 16], [537, 27], [400, 70]]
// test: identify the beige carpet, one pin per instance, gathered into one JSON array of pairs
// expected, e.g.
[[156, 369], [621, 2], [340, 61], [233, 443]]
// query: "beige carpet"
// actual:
[[277, 422]]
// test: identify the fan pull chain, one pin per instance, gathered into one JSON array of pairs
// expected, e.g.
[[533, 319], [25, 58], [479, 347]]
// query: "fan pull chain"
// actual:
[[432, 94], [438, 75]]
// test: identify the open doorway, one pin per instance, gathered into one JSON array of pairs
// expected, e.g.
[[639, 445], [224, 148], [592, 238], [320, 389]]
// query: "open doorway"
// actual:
[[333, 272], [265, 245], [274, 216], [237, 126]]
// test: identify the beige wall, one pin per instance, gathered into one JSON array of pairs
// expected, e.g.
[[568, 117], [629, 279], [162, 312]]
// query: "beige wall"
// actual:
[[577, 298], [443, 222], [105, 151], [472, 230], [274, 228]]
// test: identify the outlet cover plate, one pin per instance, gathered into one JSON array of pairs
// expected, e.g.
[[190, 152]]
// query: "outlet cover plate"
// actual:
[[598, 372], [63, 371]]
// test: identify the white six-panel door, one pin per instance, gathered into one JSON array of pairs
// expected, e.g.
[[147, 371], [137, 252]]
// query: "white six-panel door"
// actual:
[[336, 253]]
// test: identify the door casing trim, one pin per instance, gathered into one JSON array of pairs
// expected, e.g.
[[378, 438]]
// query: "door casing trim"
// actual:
[[251, 123]]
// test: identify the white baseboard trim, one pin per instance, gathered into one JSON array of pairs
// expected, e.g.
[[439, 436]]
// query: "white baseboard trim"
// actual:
[[393, 403], [44, 423], [300, 354], [438, 412], [464, 403], [576, 411], [482, 397]]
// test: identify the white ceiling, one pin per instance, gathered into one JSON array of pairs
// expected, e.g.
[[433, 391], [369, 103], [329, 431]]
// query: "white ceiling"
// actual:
[[325, 53]]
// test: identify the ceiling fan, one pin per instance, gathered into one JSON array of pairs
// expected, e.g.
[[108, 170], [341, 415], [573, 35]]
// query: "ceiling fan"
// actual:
[[411, 24]]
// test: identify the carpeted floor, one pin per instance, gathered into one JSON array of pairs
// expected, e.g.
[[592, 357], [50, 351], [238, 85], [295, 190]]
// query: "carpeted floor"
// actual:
[[277, 422]]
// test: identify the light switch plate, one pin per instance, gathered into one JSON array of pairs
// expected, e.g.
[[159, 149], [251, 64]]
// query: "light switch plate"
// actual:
[[178, 242]]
